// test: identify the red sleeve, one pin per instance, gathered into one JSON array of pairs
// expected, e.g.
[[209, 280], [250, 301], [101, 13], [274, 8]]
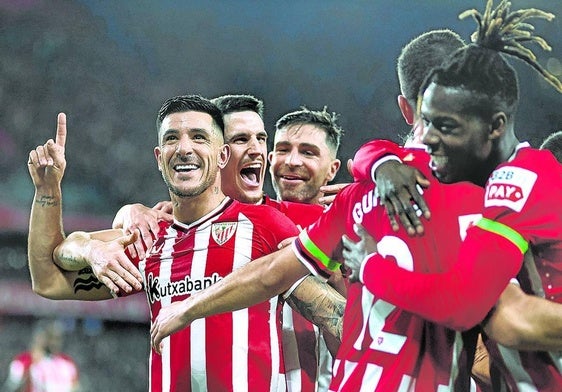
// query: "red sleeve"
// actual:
[[459, 298], [371, 152]]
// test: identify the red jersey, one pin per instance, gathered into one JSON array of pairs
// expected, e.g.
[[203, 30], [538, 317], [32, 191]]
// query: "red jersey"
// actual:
[[235, 351], [308, 363], [523, 194], [53, 373], [385, 348], [520, 213]]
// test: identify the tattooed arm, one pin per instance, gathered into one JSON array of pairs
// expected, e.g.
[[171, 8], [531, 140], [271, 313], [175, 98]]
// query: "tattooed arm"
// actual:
[[46, 165], [319, 303]]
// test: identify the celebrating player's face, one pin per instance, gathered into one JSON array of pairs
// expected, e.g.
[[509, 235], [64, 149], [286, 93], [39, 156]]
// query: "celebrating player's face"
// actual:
[[188, 153], [301, 163], [460, 143], [242, 177]]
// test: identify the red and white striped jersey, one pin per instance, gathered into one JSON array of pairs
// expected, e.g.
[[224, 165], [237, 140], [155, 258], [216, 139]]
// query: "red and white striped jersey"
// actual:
[[308, 363], [385, 348], [237, 351], [53, 373]]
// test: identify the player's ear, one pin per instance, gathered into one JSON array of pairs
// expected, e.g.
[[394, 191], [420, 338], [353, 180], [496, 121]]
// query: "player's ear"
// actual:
[[497, 125], [334, 167], [158, 156], [224, 156], [270, 157], [406, 109]]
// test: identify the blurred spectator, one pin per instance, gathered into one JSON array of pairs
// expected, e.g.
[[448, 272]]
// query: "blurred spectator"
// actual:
[[44, 367]]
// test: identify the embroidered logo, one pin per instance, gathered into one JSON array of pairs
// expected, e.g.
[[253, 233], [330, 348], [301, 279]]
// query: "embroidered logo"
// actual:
[[223, 231]]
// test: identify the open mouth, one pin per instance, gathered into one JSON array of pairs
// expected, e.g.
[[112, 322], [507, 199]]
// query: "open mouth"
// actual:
[[252, 174]]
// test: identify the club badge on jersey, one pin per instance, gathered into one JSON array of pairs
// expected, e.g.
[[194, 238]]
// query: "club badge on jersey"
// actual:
[[223, 231], [509, 187]]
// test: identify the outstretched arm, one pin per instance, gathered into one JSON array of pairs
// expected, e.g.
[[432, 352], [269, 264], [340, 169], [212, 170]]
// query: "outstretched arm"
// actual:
[[256, 282]]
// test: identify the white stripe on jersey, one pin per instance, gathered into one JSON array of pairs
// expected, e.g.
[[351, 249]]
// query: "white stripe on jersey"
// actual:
[[198, 335], [458, 348], [407, 384], [166, 252], [165, 274], [513, 362], [274, 336], [242, 253]]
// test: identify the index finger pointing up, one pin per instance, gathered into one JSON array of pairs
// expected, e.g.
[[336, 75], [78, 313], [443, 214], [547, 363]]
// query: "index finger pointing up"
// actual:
[[61, 130]]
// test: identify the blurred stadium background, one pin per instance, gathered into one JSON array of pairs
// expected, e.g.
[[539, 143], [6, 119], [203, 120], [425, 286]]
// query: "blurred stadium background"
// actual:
[[109, 66]]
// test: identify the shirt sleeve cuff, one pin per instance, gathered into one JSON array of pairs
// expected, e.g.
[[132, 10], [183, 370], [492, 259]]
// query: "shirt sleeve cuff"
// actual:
[[379, 162], [287, 293]]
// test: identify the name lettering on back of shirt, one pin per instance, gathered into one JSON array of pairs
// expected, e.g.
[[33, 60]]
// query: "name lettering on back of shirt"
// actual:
[[369, 201]]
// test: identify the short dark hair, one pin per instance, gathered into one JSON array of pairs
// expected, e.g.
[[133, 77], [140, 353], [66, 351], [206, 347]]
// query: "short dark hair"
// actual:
[[323, 119], [553, 143], [233, 103], [188, 103], [481, 68], [420, 55]]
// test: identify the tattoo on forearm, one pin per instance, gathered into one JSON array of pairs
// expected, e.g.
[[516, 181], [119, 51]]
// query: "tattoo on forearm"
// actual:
[[47, 201], [86, 281], [320, 304]]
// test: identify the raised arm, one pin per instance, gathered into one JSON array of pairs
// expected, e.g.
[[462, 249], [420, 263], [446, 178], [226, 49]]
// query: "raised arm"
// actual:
[[46, 165]]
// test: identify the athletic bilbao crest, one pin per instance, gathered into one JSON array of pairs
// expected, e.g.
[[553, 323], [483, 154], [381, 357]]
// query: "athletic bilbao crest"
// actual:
[[223, 231]]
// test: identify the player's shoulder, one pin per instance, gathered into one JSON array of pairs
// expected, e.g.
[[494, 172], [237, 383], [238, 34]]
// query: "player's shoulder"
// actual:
[[257, 211]]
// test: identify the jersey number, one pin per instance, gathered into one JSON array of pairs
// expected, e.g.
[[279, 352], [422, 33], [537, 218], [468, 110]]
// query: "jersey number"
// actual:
[[377, 311]]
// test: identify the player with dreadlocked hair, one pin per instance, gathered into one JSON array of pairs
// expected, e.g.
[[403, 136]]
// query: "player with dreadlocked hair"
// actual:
[[468, 107]]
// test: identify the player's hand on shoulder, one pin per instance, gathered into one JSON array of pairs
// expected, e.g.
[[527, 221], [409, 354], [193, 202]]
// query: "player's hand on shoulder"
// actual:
[[144, 220], [399, 192]]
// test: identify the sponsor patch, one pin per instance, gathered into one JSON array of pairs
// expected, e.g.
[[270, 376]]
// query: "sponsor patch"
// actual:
[[509, 187], [223, 231]]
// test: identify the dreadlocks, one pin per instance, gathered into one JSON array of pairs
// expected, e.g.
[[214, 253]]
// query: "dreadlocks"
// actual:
[[505, 31], [480, 66]]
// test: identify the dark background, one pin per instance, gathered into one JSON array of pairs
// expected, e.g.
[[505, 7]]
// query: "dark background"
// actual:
[[110, 64]]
